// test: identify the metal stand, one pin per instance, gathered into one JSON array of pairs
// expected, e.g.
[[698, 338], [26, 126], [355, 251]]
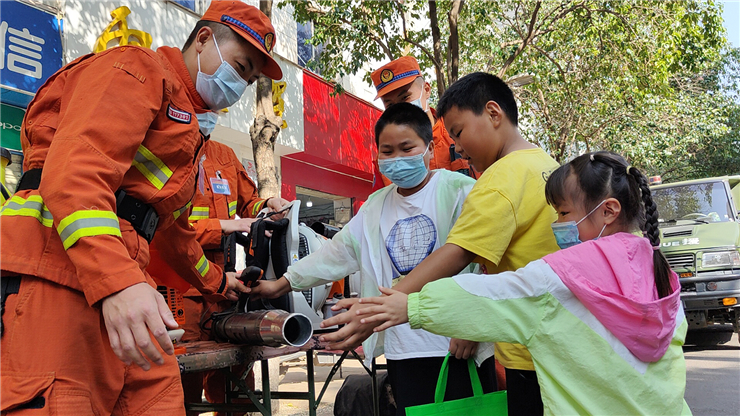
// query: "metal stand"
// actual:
[[210, 355]]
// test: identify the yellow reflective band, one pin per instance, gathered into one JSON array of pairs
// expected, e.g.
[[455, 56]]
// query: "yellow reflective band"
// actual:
[[151, 167], [257, 207], [199, 213], [87, 223], [232, 208], [202, 266], [182, 210], [31, 207]]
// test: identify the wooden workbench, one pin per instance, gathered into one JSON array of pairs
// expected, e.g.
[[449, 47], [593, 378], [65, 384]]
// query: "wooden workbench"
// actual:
[[211, 355]]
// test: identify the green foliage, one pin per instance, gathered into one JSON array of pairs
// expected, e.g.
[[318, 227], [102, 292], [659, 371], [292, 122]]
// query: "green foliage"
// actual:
[[649, 79]]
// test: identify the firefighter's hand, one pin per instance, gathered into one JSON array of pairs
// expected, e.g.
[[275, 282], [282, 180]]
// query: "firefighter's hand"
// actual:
[[235, 286], [243, 225], [354, 332], [275, 205], [461, 349], [269, 289], [130, 315]]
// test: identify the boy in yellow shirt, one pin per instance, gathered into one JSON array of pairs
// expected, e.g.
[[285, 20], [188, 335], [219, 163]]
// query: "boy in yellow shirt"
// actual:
[[504, 224]]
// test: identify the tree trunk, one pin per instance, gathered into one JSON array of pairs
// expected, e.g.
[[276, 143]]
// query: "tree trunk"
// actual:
[[453, 45], [437, 47], [264, 131]]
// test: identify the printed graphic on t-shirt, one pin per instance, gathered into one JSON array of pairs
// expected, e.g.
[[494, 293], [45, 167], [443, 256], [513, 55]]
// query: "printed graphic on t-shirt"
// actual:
[[410, 241]]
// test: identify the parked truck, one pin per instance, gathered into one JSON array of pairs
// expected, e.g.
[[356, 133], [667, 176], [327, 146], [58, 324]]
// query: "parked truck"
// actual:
[[700, 237]]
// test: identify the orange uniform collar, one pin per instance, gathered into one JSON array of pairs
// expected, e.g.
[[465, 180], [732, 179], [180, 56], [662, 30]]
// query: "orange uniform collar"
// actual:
[[174, 56]]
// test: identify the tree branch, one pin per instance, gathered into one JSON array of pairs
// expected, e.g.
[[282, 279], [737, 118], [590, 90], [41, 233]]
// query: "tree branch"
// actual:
[[313, 8], [406, 37], [437, 48], [525, 41], [453, 44]]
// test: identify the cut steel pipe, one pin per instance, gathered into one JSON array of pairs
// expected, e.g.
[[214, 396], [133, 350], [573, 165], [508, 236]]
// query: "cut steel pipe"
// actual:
[[272, 328]]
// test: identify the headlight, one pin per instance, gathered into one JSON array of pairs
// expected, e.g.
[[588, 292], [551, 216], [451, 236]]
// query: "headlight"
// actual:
[[721, 258]]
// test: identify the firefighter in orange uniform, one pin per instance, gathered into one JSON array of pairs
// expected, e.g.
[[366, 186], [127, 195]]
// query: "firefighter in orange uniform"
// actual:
[[228, 191], [401, 81], [82, 321]]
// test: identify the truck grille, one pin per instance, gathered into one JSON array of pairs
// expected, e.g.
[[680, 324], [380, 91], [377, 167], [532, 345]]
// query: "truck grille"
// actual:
[[682, 262]]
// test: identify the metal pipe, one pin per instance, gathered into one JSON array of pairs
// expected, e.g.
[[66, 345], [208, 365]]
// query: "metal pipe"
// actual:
[[269, 327]]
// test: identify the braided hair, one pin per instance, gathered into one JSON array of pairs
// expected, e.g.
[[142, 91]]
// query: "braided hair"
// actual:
[[602, 175]]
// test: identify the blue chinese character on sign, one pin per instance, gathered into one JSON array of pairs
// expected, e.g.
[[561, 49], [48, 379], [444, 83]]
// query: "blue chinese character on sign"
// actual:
[[31, 47], [23, 55]]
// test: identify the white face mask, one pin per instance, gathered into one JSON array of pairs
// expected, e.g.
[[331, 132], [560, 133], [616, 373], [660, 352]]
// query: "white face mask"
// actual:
[[417, 102], [222, 89]]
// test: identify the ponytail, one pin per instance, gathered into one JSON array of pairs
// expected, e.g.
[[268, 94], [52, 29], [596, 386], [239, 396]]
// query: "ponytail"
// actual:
[[661, 268]]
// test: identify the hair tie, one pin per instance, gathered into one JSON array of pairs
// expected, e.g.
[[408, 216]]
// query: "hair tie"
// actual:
[[591, 156], [656, 248], [628, 169]]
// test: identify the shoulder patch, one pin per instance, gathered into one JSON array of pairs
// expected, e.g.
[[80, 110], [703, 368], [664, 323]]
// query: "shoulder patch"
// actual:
[[178, 115]]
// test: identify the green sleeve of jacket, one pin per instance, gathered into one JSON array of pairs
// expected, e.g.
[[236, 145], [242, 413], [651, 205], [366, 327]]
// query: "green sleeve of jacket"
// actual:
[[508, 307]]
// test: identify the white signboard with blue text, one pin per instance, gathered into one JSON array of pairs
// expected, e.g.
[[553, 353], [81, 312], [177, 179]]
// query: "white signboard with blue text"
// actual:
[[31, 46]]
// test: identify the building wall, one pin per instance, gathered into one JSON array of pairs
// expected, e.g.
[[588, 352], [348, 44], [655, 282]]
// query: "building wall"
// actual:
[[327, 139]]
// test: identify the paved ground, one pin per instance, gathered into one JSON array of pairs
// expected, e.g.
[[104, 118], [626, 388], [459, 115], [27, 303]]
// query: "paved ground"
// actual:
[[713, 379]]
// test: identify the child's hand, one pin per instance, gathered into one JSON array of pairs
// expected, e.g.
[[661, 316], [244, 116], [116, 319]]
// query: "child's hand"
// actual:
[[269, 289], [390, 309], [462, 349]]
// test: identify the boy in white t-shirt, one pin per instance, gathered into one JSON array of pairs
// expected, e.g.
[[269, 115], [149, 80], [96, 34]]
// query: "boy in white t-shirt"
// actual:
[[397, 228]]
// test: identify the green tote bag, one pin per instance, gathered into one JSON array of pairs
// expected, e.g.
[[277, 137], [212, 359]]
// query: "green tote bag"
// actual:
[[491, 404]]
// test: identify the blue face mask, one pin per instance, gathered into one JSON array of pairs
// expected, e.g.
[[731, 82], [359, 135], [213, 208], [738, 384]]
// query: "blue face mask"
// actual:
[[566, 233], [417, 102], [222, 89], [207, 122], [406, 171]]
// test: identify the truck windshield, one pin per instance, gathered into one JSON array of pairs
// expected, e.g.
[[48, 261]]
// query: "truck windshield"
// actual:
[[697, 203]]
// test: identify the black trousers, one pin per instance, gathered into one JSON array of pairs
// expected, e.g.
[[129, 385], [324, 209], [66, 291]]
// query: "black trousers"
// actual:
[[414, 380], [523, 393]]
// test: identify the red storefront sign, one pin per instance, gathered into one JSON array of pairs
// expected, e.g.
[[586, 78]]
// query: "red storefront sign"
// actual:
[[339, 144]]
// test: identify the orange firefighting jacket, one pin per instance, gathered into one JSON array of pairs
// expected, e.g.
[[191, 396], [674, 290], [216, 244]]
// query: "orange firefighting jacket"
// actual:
[[120, 119], [441, 160], [221, 163]]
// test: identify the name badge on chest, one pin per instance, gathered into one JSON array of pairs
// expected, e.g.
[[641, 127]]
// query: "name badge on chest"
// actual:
[[220, 186]]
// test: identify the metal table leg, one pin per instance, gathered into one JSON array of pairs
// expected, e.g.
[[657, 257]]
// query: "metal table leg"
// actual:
[[312, 403]]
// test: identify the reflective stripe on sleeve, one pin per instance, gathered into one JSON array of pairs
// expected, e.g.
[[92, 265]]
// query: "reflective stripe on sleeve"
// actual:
[[151, 167], [31, 207], [232, 208], [202, 266], [87, 223], [256, 208], [199, 213], [182, 210]]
